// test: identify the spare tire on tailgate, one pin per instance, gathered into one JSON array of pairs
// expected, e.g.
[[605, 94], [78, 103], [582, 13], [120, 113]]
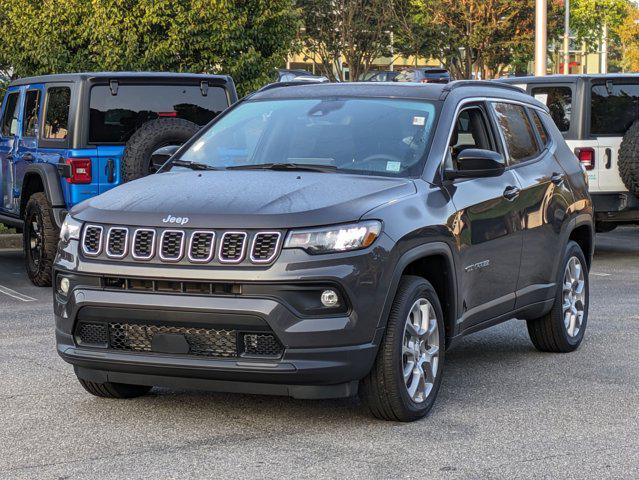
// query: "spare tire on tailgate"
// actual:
[[629, 159], [136, 162]]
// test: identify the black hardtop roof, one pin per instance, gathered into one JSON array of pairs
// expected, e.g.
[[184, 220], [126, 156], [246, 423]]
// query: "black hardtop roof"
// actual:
[[572, 78], [92, 76], [429, 91]]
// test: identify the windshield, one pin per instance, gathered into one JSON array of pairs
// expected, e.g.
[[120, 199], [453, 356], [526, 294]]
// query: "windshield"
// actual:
[[356, 135]]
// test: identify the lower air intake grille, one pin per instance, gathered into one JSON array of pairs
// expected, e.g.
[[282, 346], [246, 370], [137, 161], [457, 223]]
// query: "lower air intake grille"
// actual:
[[92, 334], [262, 345], [202, 341], [232, 247]]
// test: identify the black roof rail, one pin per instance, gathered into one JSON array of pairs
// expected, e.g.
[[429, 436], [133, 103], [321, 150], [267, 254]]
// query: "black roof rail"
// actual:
[[454, 85]]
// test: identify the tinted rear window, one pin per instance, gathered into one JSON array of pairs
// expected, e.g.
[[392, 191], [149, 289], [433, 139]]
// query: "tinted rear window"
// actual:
[[114, 118], [559, 102], [614, 108], [517, 130]]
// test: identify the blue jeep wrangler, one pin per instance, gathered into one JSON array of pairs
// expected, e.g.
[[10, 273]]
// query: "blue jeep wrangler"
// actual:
[[65, 138]]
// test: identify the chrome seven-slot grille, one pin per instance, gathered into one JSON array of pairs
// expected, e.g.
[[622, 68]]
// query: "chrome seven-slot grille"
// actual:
[[172, 245]]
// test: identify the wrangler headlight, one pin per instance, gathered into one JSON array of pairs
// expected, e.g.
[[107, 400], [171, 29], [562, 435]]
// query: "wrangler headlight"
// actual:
[[339, 238], [70, 229]]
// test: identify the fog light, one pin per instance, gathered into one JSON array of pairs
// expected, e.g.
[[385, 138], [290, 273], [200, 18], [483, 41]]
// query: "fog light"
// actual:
[[65, 284], [330, 298]]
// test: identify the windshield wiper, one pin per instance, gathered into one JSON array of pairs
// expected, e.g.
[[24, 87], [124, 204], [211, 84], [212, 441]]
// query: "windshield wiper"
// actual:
[[285, 166], [192, 165]]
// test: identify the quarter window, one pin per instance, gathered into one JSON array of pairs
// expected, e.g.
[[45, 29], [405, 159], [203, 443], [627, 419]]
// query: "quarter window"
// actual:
[[517, 130], [10, 118], [539, 125], [56, 122], [31, 113], [559, 102]]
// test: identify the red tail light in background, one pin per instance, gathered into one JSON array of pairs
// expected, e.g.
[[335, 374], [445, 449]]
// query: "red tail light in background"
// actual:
[[80, 170], [586, 156]]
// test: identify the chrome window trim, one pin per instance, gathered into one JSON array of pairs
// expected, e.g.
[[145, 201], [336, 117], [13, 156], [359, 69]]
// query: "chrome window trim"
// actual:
[[181, 255], [221, 245], [276, 251], [126, 242], [84, 235], [212, 250], [135, 234]]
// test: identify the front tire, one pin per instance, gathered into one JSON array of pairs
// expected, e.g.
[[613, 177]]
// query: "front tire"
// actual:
[[114, 390], [562, 329], [40, 239], [404, 381]]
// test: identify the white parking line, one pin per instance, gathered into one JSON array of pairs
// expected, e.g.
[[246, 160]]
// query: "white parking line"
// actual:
[[17, 295], [600, 274]]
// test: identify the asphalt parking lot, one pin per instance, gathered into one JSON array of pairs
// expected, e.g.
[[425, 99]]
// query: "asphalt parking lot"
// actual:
[[504, 410]]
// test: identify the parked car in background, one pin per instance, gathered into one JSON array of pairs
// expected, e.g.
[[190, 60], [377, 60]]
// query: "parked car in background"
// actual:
[[598, 115], [66, 138], [287, 75], [383, 76], [423, 75], [325, 240]]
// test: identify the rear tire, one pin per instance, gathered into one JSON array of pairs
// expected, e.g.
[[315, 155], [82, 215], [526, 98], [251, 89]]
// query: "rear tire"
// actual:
[[40, 239], [114, 390], [404, 381], [155, 134], [562, 329]]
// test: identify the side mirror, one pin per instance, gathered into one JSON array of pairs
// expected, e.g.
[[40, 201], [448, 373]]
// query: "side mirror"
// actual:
[[161, 155], [477, 163]]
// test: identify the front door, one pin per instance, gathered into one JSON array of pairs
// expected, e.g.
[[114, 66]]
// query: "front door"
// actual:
[[9, 138], [487, 224]]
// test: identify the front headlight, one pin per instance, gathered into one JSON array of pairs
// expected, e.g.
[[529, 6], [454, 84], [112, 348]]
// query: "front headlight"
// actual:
[[339, 238], [70, 229]]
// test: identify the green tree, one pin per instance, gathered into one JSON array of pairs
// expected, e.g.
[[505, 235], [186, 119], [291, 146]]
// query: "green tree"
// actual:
[[244, 38]]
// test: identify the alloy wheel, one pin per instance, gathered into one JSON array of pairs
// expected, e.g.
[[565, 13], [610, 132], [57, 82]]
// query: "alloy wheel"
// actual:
[[574, 296]]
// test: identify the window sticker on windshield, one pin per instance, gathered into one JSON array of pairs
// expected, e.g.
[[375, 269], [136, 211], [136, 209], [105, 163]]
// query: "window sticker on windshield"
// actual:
[[542, 97], [393, 166], [419, 121]]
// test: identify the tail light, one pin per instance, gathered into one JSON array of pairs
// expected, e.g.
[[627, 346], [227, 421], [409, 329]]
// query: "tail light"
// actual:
[[80, 170], [586, 156]]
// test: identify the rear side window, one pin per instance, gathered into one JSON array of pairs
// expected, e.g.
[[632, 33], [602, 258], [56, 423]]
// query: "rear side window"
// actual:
[[559, 102], [408, 76], [10, 117], [614, 108], [539, 126], [56, 119], [517, 130], [31, 113], [114, 118]]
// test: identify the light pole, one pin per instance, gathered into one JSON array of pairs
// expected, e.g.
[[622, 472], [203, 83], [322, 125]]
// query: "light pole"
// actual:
[[541, 16], [567, 39]]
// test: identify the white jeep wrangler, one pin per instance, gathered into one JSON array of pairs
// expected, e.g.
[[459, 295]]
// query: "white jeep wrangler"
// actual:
[[598, 116]]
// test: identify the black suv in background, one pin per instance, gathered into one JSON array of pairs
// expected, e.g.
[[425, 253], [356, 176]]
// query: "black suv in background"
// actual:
[[323, 240], [423, 75]]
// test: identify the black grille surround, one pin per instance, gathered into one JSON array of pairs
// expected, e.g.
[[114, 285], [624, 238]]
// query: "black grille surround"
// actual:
[[157, 245], [117, 242], [92, 240], [201, 341]]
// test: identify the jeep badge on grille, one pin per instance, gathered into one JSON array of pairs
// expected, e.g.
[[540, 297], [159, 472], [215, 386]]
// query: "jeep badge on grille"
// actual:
[[176, 220]]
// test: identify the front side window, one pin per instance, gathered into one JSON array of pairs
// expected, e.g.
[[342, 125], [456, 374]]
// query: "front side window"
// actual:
[[471, 130], [10, 117], [518, 133], [31, 113], [387, 137], [614, 108], [114, 118], [559, 102], [56, 118]]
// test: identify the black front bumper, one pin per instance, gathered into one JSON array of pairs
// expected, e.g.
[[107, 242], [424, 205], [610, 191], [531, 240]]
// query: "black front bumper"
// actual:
[[616, 207]]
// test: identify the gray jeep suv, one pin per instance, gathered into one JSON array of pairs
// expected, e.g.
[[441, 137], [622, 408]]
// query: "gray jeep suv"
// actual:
[[325, 240]]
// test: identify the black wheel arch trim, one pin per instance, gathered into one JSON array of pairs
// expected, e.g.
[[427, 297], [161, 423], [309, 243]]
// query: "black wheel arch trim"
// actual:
[[424, 251], [50, 179]]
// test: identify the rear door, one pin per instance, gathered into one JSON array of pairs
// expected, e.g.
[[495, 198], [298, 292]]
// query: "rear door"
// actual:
[[9, 138], [27, 147], [614, 107]]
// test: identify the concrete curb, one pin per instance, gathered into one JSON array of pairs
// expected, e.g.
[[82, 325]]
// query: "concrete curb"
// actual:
[[10, 240]]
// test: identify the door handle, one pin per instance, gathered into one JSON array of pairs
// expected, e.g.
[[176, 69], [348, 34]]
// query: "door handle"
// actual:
[[608, 159], [27, 157], [110, 170], [557, 178], [511, 193]]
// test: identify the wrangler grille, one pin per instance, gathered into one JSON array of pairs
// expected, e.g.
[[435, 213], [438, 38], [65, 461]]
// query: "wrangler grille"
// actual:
[[265, 245], [201, 247], [232, 247], [92, 241], [117, 242], [143, 244], [172, 245]]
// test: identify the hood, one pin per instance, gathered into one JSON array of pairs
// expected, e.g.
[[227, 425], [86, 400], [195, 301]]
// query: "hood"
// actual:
[[243, 199]]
